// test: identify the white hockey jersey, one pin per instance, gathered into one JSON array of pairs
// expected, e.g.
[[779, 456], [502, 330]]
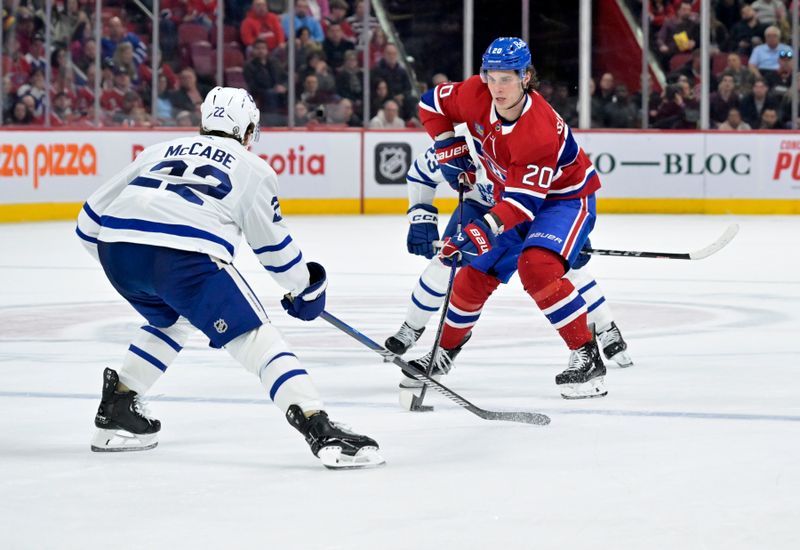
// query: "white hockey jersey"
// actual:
[[424, 176], [198, 194]]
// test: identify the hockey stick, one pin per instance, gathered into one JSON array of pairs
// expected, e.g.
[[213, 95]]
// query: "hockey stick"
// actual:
[[713, 248], [523, 417], [416, 402]]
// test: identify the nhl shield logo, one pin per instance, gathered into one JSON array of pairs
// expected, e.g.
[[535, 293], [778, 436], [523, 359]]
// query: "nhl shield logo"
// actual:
[[220, 325], [392, 161]]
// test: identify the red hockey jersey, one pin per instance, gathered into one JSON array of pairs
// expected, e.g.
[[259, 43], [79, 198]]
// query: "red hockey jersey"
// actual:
[[530, 160]]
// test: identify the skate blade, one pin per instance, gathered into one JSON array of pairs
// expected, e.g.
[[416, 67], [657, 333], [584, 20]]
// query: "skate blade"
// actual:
[[622, 359], [366, 457], [588, 390], [120, 441]]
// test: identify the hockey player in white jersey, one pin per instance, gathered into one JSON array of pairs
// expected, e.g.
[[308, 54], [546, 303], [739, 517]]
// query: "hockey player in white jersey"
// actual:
[[165, 229], [423, 178]]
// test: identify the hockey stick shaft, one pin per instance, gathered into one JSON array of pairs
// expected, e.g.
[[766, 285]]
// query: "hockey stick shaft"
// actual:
[[523, 417], [713, 248], [416, 402]]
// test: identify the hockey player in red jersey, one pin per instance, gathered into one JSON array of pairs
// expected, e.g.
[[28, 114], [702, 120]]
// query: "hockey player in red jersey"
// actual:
[[544, 186]]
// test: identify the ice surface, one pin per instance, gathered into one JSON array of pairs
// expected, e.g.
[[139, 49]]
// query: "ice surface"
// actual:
[[697, 446]]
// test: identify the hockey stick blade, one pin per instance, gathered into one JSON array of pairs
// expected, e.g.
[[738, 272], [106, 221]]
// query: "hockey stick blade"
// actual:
[[523, 417], [713, 248]]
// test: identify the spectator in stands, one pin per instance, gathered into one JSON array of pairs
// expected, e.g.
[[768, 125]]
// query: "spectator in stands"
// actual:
[[671, 112], [380, 93], [85, 55], [338, 15], [376, 45], [780, 81], [747, 33], [201, 11], [723, 100], [265, 79], [565, 105], [124, 61], [765, 57], [388, 117], [753, 105], [117, 34], [311, 94], [769, 12], [36, 57], [342, 114], [743, 78], [20, 115], [30, 104], [301, 114], [189, 94], [36, 90], [164, 108], [769, 120], [62, 110], [605, 91], [184, 119], [396, 77], [679, 34], [263, 24], [111, 100], [734, 121], [26, 27], [66, 20], [691, 101], [660, 11], [317, 65], [439, 78], [350, 78], [335, 45], [356, 22], [621, 112], [727, 12], [304, 20]]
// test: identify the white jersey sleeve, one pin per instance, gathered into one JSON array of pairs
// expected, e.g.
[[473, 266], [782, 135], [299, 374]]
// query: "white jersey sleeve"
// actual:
[[424, 175], [199, 194]]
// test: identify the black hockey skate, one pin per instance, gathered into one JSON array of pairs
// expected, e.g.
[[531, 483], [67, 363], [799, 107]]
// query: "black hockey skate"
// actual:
[[614, 347], [410, 388], [584, 377], [122, 421], [404, 339], [337, 447]]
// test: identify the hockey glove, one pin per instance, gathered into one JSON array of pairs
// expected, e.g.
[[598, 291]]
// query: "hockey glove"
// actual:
[[310, 302], [424, 229], [475, 239], [456, 162]]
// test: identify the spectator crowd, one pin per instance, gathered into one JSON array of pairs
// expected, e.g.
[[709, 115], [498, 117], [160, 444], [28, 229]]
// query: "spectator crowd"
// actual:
[[750, 84], [328, 74]]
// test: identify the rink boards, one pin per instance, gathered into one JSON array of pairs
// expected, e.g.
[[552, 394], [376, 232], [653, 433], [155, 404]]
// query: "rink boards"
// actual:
[[46, 175]]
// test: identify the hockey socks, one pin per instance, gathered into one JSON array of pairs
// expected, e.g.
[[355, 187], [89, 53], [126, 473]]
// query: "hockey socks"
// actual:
[[471, 289], [542, 274], [264, 352], [151, 352]]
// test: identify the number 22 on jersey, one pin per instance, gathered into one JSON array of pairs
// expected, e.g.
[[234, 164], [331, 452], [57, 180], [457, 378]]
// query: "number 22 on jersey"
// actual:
[[188, 190]]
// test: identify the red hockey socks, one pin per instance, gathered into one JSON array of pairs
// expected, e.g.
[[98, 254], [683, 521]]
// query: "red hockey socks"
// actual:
[[542, 275], [471, 289]]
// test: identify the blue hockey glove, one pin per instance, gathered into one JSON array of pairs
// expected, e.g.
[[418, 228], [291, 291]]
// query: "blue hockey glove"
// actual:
[[423, 229], [475, 239], [308, 304], [456, 164]]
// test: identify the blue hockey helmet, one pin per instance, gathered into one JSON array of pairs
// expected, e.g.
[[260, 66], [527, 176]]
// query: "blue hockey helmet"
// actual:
[[506, 54]]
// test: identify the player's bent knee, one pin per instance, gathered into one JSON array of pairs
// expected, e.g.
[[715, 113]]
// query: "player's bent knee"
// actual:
[[474, 287], [539, 268], [257, 347]]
